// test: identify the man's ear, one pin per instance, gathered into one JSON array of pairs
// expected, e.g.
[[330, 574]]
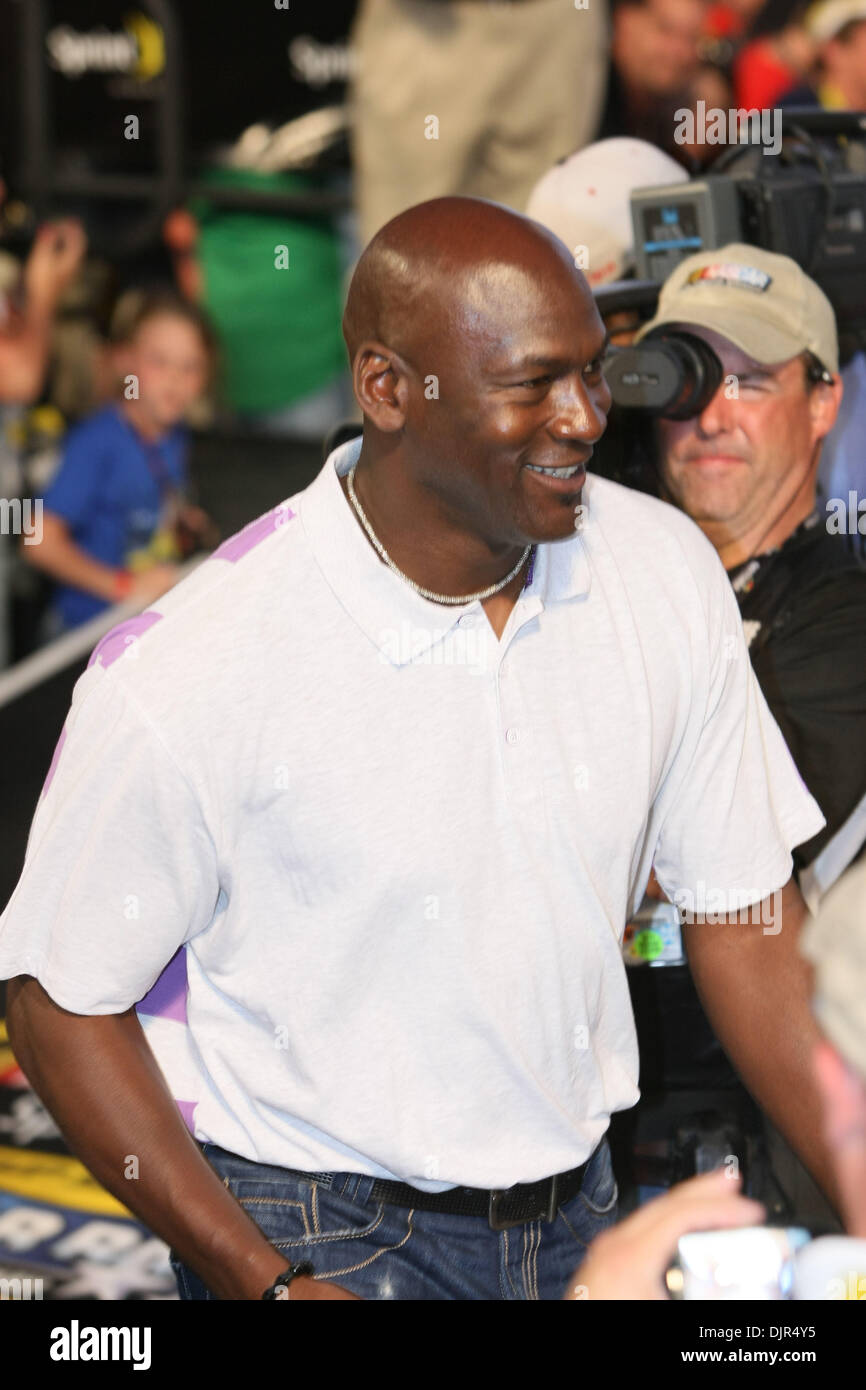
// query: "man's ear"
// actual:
[[381, 386], [825, 399]]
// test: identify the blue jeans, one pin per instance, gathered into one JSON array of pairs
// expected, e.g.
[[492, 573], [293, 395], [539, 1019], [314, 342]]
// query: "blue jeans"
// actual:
[[379, 1251]]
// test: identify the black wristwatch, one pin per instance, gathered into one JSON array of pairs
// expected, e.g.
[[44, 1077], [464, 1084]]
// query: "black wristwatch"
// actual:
[[280, 1287]]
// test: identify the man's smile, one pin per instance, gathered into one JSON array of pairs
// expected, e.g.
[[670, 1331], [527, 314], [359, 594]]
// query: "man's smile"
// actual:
[[567, 479]]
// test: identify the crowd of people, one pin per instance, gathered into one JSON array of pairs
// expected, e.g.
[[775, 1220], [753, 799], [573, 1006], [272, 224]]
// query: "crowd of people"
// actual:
[[552, 114], [418, 129]]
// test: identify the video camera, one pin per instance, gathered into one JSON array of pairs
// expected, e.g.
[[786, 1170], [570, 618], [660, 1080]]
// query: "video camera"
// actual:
[[806, 200]]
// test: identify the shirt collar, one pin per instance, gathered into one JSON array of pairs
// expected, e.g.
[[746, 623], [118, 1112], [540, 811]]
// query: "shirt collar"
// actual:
[[397, 620]]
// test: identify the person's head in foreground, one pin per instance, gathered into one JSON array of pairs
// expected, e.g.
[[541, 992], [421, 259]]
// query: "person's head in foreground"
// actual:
[[165, 353], [744, 468], [629, 1261], [476, 353]]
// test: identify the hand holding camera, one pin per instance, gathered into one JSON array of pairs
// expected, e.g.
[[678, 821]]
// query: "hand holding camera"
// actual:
[[630, 1260]]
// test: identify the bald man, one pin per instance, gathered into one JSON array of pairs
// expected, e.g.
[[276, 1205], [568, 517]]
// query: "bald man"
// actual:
[[387, 774]]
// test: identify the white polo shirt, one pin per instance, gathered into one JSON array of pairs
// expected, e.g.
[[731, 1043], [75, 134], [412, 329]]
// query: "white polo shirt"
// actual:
[[399, 853]]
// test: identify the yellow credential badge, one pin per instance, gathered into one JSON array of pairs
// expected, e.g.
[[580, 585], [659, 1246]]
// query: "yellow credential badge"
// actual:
[[163, 550]]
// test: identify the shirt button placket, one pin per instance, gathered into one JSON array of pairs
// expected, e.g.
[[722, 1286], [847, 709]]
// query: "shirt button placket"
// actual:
[[522, 775]]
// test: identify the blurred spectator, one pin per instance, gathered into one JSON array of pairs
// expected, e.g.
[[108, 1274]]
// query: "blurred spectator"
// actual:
[[29, 299], [272, 286], [460, 96], [842, 469], [711, 86], [777, 55], [27, 314], [79, 381], [654, 67], [837, 28], [116, 519], [838, 31]]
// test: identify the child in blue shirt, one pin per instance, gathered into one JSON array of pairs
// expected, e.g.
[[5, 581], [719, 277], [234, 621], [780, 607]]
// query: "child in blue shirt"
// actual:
[[116, 521]]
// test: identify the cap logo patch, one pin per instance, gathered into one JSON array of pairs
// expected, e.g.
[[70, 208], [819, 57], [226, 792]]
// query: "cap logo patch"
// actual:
[[728, 273]]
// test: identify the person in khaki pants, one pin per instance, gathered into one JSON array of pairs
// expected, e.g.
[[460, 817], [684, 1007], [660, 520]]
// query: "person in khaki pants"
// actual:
[[476, 97]]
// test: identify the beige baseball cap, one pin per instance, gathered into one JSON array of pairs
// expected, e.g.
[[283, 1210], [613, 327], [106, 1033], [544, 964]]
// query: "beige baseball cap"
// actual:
[[760, 301]]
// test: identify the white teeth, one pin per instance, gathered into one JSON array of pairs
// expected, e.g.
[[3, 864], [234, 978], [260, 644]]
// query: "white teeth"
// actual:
[[555, 472]]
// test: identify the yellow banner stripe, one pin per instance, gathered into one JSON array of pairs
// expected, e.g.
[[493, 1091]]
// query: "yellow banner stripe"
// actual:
[[57, 1179]]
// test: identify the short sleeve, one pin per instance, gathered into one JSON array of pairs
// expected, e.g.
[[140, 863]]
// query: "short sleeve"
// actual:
[[120, 868], [79, 480], [735, 804]]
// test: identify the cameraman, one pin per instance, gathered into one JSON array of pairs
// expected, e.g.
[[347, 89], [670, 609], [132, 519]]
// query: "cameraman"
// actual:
[[744, 469]]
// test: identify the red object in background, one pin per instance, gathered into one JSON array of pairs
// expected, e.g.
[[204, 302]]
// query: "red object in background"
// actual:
[[723, 22], [760, 77], [180, 231], [13, 1076]]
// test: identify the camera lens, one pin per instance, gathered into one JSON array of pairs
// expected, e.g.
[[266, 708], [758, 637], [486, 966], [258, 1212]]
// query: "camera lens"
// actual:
[[700, 375], [672, 374]]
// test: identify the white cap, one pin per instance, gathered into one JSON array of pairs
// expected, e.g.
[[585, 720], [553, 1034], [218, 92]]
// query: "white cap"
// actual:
[[825, 20], [584, 200]]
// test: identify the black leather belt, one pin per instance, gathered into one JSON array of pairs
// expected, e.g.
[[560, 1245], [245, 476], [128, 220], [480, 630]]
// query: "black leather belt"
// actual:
[[503, 1206]]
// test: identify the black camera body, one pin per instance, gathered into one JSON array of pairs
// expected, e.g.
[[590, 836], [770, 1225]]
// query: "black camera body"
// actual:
[[808, 201]]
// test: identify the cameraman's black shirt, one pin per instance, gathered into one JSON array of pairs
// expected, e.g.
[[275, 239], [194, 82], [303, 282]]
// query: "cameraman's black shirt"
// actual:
[[804, 613]]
